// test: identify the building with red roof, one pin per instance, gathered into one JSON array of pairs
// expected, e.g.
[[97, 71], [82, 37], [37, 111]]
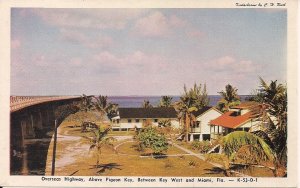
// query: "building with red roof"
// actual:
[[238, 118]]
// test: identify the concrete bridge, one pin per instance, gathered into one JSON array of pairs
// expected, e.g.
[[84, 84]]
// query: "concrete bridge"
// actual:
[[31, 128]]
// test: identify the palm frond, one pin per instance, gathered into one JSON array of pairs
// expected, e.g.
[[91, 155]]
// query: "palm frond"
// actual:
[[235, 140], [263, 84], [87, 138]]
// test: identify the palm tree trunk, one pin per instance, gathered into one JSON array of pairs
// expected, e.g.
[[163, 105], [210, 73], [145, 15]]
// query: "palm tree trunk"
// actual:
[[98, 156], [187, 125]]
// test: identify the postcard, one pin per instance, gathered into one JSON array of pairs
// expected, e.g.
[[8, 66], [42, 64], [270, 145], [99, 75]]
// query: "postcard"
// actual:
[[148, 93]]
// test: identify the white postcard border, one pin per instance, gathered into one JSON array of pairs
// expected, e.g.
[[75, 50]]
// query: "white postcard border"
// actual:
[[7, 180]]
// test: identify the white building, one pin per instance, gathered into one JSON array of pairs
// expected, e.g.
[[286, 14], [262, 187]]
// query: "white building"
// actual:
[[200, 130], [131, 118]]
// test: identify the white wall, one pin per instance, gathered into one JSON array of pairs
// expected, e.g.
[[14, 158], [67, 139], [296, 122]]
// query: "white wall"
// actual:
[[247, 125], [251, 123], [206, 118], [175, 123], [123, 123]]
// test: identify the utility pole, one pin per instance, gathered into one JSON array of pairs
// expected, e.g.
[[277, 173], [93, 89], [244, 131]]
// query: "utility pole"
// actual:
[[54, 148]]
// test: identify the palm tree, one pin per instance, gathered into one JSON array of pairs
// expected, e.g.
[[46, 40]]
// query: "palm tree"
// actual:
[[99, 140], [246, 147], [101, 104], [104, 107], [186, 117], [275, 96], [274, 105], [146, 104], [165, 101], [229, 98], [191, 101], [86, 103], [234, 146], [112, 110]]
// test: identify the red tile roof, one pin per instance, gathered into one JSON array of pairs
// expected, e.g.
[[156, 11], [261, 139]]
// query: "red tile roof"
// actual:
[[229, 121]]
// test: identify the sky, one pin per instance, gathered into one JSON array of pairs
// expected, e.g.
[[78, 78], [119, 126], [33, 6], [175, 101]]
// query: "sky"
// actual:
[[145, 51]]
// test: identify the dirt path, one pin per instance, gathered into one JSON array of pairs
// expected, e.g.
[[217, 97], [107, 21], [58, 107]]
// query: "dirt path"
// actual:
[[200, 156], [68, 149]]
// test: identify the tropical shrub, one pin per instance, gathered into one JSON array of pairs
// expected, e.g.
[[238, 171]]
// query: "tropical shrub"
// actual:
[[205, 146], [192, 163], [164, 123], [201, 146], [149, 137], [247, 146], [195, 145]]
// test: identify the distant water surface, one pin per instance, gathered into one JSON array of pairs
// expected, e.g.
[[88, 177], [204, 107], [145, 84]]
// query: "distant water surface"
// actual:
[[137, 101]]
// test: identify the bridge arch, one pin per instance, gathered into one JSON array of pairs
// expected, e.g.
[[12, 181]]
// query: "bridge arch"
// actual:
[[31, 129]]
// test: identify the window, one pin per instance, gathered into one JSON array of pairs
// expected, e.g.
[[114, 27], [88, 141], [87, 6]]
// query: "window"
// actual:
[[236, 113], [197, 124], [206, 137], [129, 120], [137, 120], [155, 120], [118, 121]]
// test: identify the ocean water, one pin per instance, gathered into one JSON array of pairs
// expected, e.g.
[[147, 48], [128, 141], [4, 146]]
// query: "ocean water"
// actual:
[[137, 101]]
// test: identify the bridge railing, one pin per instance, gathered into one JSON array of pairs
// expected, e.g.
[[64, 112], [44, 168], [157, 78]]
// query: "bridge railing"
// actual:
[[19, 102]]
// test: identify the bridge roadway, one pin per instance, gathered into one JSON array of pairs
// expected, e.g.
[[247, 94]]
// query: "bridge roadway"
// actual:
[[31, 128], [19, 102]]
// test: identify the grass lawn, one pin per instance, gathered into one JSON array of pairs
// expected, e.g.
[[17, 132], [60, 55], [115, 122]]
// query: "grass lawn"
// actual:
[[74, 158], [121, 133], [129, 163], [251, 171]]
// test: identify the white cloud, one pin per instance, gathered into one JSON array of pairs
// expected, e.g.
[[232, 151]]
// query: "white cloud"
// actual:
[[242, 74], [88, 18], [231, 65], [157, 25], [102, 42], [73, 36], [107, 59], [136, 60], [77, 37], [195, 34], [76, 62], [176, 22]]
